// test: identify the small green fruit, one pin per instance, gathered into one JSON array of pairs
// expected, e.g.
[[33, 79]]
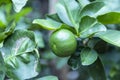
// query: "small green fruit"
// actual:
[[63, 42]]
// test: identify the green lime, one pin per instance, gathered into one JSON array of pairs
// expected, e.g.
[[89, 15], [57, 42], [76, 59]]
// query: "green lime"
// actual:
[[63, 42]]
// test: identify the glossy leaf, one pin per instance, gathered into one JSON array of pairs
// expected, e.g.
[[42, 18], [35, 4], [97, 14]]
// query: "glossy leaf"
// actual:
[[96, 70], [2, 68], [47, 24], [19, 56], [88, 26], [110, 36], [86, 23], [109, 18], [88, 56], [109, 6], [48, 78], [91, 9], [18, 4], [98, 27], [67, 13]]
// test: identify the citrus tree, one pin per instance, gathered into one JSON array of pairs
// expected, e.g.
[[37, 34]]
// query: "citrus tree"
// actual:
[[81, 31]]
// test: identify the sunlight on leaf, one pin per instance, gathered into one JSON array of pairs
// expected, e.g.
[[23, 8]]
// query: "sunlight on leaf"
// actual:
[[110, 36], [47, 24]]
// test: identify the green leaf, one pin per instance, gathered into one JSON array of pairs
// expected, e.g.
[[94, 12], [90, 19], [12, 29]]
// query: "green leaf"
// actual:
[[64, 26], [18, 43], [29, 70], [67, 13], [109, 18], [2, 26], [5, 2], [115, 72], [74, 61], [96, 70], [90, 32], [22, 13], [19, 55], [47, 24], [108, 3], [2, 37], [110, 36], [91, 9], [88, 56], [3, 21], [82, 3], [8, 31], [39, 39], [2, 68], [54, 17], [48, 78], [88, 26], [18, 5], [86, 23]]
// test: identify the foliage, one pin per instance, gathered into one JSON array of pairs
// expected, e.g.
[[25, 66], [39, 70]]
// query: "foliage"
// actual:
[[88, 20]]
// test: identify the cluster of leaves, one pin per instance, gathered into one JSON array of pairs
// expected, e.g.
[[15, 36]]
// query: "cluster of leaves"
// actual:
[[87, 21], [19, 55]]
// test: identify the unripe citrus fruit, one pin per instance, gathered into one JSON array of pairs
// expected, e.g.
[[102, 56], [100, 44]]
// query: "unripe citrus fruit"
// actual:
[[63, 42]]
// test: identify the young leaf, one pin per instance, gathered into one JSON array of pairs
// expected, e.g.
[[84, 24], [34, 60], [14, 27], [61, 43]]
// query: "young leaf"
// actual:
[[91, 9], [109, 18], [96, 70], [2, 68], [110, 36], [18, 4], [19, 56], [47, 24], [48, 78], [88, 56]]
